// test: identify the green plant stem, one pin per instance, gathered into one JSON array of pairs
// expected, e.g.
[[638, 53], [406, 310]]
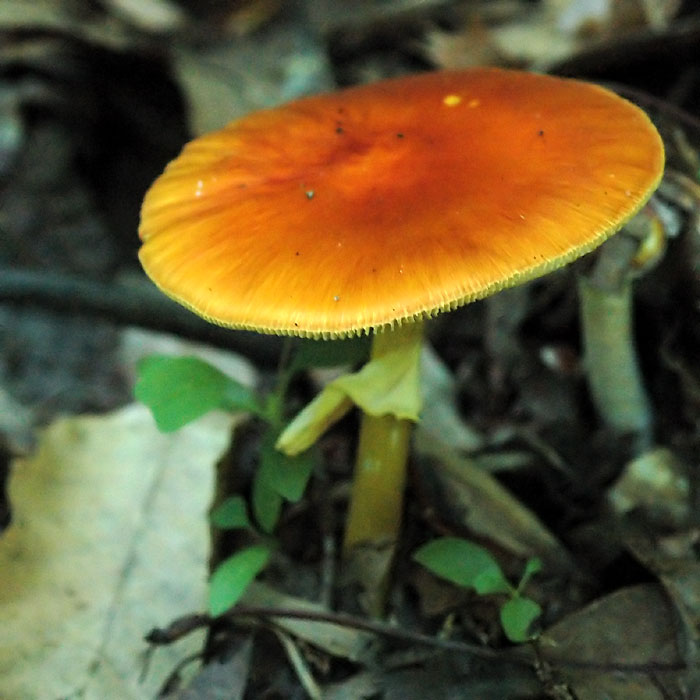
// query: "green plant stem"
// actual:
[[376, 501], [276, 399]]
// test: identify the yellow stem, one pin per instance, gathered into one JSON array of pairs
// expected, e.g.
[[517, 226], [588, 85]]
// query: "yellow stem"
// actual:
[[376, 500]]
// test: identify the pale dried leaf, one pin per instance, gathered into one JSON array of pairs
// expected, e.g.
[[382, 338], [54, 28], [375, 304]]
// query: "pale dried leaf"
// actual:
[[440, 416], [655, 483], [584, 16], [149, 15], [50, 16], [329, 15], [109, 539], [336, 640], [137, 343], [227, 79], [470, 46], [533, 43]]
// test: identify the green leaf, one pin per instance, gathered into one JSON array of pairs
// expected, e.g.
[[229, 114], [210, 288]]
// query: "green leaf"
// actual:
[[278, 477], [532, 567], [517, 616], [287, 476], [267, 503], [330, 353], [231, 514], [179, 390], [233, 575], [237, 397], [463, 563]]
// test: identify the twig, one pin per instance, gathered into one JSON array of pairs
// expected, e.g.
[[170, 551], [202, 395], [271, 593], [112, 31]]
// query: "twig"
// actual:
[[134, 303], [300, 666], [521, 655]]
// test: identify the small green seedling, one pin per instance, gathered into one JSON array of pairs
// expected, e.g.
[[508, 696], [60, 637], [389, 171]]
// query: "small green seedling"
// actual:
[[178, 390], [231, 578], [468, 565]]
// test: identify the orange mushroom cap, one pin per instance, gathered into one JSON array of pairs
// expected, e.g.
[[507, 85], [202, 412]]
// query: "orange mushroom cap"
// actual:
[[335, 214]]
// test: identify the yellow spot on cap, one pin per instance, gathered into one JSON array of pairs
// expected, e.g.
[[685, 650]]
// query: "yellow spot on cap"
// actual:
[[452, 100], [474, 103]]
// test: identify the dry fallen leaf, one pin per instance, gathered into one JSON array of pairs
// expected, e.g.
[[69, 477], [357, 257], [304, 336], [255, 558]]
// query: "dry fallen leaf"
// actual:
[[220, 679], [148, 15], [109, 539], [655, 483], [226, 79], [334, 639], [625, 638], [440, 417], [488, 509], [49, 17]]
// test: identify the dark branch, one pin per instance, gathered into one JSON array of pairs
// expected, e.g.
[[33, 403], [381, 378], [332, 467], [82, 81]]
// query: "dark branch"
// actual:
[[136, 303], [522, 654]]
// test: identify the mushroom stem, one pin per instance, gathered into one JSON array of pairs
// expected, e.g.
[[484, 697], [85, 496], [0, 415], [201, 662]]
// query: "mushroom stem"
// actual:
[[376, 500], [612, 367]]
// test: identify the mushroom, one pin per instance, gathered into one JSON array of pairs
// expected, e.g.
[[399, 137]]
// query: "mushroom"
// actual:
[[373, 208]]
